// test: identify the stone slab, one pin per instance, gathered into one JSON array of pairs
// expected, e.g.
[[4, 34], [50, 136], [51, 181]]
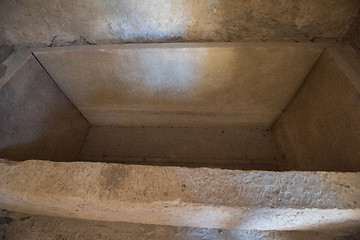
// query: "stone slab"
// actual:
[[230, 147], [37, 120], [25, 226], [320, 130], [201, 197], [181, 84]]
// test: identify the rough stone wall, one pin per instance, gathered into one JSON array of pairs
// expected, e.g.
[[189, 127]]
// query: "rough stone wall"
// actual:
[[69, 22]]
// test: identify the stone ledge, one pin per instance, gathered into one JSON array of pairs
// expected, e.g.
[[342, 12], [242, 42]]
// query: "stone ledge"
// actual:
[[199, 197]]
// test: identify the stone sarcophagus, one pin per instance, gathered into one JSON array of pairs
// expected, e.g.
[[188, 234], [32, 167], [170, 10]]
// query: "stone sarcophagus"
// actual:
[[275, 107]]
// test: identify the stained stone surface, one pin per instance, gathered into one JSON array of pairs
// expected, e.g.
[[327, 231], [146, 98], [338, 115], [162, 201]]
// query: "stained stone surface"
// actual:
[[69, 22], [179, 196]]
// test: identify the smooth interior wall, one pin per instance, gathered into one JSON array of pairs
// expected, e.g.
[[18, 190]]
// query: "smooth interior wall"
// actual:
[[320, 130], [226, 147], [200, 84], [36, 120]]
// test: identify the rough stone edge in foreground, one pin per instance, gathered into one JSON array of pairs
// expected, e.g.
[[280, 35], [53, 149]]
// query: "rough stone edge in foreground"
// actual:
[[210, 198]]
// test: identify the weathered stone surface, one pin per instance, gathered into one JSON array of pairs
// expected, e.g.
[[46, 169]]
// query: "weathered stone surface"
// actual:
[[320, 130], [5, 52], [181, 84], [26, 226], [37, 120], [3, 69], [201, 197], [354, 34], [105, 21]]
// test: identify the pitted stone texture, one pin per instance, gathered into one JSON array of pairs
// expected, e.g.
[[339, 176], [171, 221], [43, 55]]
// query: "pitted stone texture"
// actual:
[[44, 228], [181, 196], [67, 22]]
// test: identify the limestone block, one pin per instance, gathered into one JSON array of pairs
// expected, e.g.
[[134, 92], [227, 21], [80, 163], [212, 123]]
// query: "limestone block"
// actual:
[[177, 196]]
